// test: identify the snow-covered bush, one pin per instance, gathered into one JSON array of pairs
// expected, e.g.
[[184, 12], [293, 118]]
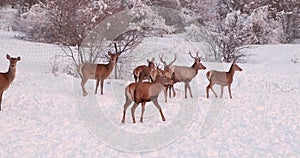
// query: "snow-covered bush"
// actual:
[[9, 19], [262, 29]]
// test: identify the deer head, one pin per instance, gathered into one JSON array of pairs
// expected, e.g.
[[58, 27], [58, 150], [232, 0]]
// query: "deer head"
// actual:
[[151, 63], [13, 61], [197, 62]]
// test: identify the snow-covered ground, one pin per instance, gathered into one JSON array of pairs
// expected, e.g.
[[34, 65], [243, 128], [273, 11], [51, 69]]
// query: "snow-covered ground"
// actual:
[[46, 116]]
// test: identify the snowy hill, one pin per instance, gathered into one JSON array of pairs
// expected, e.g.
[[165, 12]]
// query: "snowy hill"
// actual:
[[46, 116]]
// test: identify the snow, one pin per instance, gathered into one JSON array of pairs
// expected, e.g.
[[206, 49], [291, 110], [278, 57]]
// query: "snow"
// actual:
[[46, 116]]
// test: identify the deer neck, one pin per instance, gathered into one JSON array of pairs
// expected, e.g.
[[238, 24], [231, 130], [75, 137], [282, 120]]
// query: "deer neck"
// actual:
[[11, 73], [231, 71], [111, 64], [195, 68]]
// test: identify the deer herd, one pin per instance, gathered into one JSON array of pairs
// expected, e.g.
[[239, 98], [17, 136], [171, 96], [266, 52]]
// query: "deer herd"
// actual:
[[157, 80], [142, 91]]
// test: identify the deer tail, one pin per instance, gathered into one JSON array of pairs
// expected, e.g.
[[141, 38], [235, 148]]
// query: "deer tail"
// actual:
[[135, 74], [129, 92], [208, 75]]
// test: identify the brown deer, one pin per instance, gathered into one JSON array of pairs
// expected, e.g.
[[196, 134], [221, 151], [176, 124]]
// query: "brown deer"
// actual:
[[186, 74], [99, 72], [7, 78], [157, 72], [168, 73], [221, 78], [142, 72], [142, 92]]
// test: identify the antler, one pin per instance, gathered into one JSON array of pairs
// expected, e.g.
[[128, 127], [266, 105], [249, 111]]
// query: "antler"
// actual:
[[157, 66], [116, 48], [161, 59], [197, 55], [175, 57], [191, 55], [164, 62]]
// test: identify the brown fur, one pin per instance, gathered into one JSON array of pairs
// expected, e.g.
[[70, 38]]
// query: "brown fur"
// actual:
[[221, 78], [169, 74], [142, 92], [7, 78], [99, 72], [142, 72]]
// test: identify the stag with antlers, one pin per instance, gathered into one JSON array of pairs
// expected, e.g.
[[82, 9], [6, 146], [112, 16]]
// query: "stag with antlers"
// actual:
[[186, 74], [99, 72], [168, 73]]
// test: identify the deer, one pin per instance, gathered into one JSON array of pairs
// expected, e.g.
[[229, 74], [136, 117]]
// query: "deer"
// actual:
[[157, 72], [8, 77], [142, 92], [186, 74], [221, 78], [99, 72], [142, 72], [168, 72]]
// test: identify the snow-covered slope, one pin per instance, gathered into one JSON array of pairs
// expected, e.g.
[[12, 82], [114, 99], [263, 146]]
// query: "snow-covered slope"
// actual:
[[46, 116]]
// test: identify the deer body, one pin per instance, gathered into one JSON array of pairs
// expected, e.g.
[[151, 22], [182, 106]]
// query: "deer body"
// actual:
[[99, 72], [7, 78], [142, 92], [158, 73], [142, 72], [186, 74], [169, 74], [221, 78]]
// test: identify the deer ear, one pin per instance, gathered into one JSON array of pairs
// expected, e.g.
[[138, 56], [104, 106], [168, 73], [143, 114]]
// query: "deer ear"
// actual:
[[18, 58], [234, 61], [109, 53], [7, 56]]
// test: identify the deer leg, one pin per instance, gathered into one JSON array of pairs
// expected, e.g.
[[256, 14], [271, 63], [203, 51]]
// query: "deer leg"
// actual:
[[127, 103], [1, 93], [222, 88], [229, 90], [83, 82], [132, 111], [154, 100], [189, 87], [174, 93], [141, 77], [185, 89], [143, 110], [101, 82], [212, 89], [207, 91], [97, 84], [169, 88], [165, 93], [210, 86]]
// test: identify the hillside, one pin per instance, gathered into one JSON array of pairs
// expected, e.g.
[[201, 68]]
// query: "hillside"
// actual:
[[46, 116]]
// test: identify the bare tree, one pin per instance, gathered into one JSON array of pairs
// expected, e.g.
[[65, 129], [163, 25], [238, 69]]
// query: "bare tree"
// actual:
[[126, 43]]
